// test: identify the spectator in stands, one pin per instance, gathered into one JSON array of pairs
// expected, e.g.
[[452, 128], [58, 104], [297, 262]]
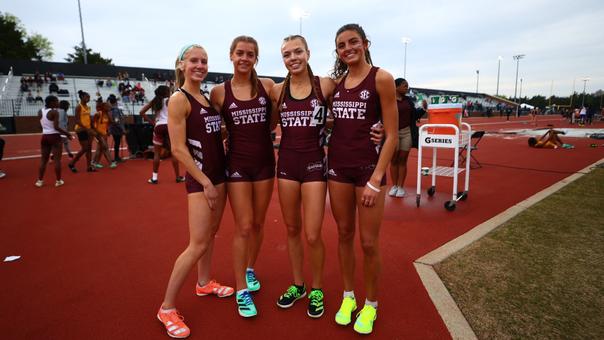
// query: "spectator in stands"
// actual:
[[101, 123], [2, 173], [39, 97], [24, 87], [407, 116], [117, 129], [161, 139], [30, 98], [53, 87], [51, 140], [60, 76], [63, 123], [84, 131]]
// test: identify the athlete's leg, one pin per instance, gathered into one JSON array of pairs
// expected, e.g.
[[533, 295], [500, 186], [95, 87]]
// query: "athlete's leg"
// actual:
[[394, 168], [57, 150], [45, 154], [289, 200], [262, 192], [156, 153], [370, 220], [313, 202], [240, 199], [176, 166], [201, 220], [204, 264], [342, 199], [402, 167]]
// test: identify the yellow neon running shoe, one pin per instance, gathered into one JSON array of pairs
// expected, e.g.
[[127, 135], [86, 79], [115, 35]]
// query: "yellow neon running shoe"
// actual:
[[348, 306], [365, 319]]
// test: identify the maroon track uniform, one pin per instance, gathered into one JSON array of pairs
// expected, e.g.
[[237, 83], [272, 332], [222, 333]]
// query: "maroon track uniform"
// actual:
[[204, 141], [301, 155], [405, 109], [352, 155], [250, 155]]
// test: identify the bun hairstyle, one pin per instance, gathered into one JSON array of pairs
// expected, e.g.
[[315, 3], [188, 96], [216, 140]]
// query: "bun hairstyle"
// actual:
[[179, 76], [49, 100], [532, 141], [254, 75], [287, 80], [82, 94], [340, 68], [161, 92]]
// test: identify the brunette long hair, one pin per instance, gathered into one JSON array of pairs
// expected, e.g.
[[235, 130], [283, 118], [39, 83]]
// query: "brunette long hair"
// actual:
[[340, 68]]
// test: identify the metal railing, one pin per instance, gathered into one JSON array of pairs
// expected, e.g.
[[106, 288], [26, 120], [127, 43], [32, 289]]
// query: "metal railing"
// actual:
[[6, 81]]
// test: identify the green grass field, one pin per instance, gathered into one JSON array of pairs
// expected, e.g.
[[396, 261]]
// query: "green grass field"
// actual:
[[541, 274]]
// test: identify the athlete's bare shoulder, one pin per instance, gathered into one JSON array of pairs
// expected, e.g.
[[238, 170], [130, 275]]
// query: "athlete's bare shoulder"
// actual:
[[276, 91], [384, 76], [268, 83]]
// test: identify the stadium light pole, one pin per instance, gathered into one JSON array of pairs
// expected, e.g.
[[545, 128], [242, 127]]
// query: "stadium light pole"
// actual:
[[82, 30], [299, 14], [585, 80], [517, 58], [498, 69], [520, 94], [477, 78], [405, 40]]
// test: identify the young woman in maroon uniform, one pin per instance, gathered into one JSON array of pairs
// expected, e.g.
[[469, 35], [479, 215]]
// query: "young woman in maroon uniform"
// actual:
[[161, 139], [196, 142], [51, 139], [245, 107], [364, 95], [299, 104]]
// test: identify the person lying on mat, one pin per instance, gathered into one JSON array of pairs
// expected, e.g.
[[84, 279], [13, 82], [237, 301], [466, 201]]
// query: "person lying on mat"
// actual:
[[549, 140]]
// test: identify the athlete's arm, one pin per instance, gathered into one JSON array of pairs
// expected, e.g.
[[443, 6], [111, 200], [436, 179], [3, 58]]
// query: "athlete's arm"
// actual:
[[387, 93], [328, 85], [178, 111], [143, 113], [217, 100], [78, 121], [275, 112], [53, 115]]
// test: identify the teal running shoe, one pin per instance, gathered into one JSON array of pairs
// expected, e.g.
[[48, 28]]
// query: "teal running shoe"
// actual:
[[253, 285], [245, 305]]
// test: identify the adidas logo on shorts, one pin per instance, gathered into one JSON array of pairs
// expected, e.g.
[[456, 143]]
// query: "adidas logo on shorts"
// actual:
[[236, 175], [233, 106], [283, 173], [332, 172]]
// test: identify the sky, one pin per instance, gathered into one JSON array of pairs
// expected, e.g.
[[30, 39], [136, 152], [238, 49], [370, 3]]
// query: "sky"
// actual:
[[563, 41]]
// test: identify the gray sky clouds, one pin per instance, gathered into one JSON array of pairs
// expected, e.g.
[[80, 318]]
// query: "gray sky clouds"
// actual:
[[562, 40]]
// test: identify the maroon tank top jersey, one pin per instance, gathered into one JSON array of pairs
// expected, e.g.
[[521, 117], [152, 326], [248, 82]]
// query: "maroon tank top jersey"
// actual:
[[355, 111], [204, 141], [248, 124], [404, 112], [303, 121]]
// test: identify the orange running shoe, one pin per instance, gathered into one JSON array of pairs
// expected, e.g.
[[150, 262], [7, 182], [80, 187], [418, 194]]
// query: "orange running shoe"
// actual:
[[174, 323], [215, 288]]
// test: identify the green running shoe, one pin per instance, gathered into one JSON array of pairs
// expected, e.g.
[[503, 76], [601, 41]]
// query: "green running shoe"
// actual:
[[365, 319], [343, 316], [245, 305], [292, 295], [315, 303], [253, 285]]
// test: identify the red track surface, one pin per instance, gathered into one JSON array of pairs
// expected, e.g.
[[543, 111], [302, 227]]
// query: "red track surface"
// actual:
[[97, 252]]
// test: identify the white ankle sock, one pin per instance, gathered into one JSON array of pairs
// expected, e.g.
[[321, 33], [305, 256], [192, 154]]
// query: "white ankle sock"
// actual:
[[349, 294], [373, 304], [154, 176]]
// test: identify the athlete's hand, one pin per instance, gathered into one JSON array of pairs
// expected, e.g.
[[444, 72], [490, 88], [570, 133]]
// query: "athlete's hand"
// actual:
[[211, 194], [377, 133], [370, 195]]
